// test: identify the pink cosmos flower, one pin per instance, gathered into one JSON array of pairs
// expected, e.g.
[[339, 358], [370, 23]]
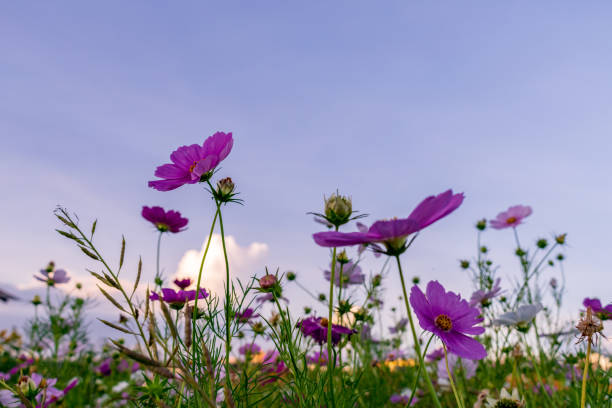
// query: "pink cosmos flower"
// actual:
[[317, 329], [603, 313], [53, 277], [435, 355], [182, 283], [165, 220], [480, 297], [351, 275], [450, 318], [246, 315], [512, 217], [192, 164], [393, 233], [177, 299]]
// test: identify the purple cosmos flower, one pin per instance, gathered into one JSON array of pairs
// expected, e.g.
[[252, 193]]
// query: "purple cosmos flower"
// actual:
[[512, 217], [317, 329], [164, 220], [191, 164], [273, 366], [249, 349], [603, 313], [455, 365], [403, 398], [435, 355], [246, 315], [105, 367], [53, 277], [393, 233], [450, 318], [319, 358], [351, 274], [399, 326], [177, 299], [182, 283], [480, 297]]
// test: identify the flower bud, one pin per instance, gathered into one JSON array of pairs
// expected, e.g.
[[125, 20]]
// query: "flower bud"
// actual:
[[464, 264], [338, 209], [26, 385], [344, 307], [342, 257], [542, 243], [225, 187], [376, 280], [267, 282], [258, 328], [481, 224], [291, 276], [50, 266], [484, 249], [416, 280], [322, 297], [307, 310], [560, 257], [36, 300], [553, 283], [79, 285]]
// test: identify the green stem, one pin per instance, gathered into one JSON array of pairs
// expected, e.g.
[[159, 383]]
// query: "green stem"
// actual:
[[157, 275], [331, 361], [587, 362], [417, 347], [228, 338], [450, 378], [416, 380]]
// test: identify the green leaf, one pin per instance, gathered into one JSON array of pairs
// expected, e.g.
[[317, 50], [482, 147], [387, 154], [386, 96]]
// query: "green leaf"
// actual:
[[88, 253]]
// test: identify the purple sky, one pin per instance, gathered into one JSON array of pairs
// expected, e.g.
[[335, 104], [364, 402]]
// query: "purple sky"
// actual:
[[510, 103]]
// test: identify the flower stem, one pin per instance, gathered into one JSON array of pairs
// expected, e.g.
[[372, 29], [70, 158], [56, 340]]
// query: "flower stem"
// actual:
[[331, 361], [157, 275], [195, 306], [228, 305], [416, 380], [587, 361], [450, 379], [417, 347]]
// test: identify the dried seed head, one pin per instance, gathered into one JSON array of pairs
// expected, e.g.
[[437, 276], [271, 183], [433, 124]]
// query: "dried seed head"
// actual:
[[589, 327]]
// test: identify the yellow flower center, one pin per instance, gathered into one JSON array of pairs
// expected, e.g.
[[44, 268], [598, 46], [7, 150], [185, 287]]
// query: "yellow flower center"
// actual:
[[511, 220], [195, 163], [443, 322], [324, 322]]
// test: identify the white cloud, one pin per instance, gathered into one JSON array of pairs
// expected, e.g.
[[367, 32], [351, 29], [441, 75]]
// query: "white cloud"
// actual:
[[244, 262]]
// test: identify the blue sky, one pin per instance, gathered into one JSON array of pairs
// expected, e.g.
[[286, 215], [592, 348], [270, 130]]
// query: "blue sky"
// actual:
[[509, 102]]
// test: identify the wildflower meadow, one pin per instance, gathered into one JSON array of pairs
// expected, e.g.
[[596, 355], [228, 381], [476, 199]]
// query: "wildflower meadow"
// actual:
[[177, 343]]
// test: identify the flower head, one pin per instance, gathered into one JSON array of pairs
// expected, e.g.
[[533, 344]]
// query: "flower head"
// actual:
[[246, 315], [393, 233], [164, 221], [512, 217], [182, 283], [506, 400], [450, 318], [177, 299], [351, 274], [403, 398], [400, 326], [603, 313], [319, 358], [521, 317], [435, 355], [53, 277], [589, 327], [194, 163], [480, 297], [317, 329]]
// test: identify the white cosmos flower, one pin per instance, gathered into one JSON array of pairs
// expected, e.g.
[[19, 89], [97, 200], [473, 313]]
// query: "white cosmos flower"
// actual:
[[521, 316], [506, 399]]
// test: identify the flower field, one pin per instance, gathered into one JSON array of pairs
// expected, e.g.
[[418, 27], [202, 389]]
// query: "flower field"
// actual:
[[176, 343]]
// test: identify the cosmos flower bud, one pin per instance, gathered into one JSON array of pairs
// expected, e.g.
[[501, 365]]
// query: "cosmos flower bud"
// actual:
[[307, 310], [520, 252], [79, 285], [267, 282], [338, 209], [560, 239], [26, 385], [344, 307], [560, 257], [291, 276], [484, 249], [342, 257], [36, 300], [464, 264], [416, 280], [225, 187], [376, 280], [322, 297], [481, 225], [553, 283], [542, 243], [50, 266], [258, 328]]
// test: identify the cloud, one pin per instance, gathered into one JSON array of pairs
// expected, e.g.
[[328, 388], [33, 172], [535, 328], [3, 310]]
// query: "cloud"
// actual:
[[244, 262]]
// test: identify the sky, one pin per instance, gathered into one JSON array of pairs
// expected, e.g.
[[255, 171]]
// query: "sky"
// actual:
[[389, 102]]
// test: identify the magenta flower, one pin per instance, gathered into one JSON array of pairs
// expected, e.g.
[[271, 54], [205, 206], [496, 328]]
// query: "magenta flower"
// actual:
[[164, 220], [317, 329], [435, 355], [105, 367], [194, 163], [399, 326], [604, 313], [53, 277], [319, 358], [351, 275], [177, 299], [455, 365], [182, 283], [249, 349], [450, 318], [246, 315], [403, 398], [480, 297], [512, 217], [393, 233]]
